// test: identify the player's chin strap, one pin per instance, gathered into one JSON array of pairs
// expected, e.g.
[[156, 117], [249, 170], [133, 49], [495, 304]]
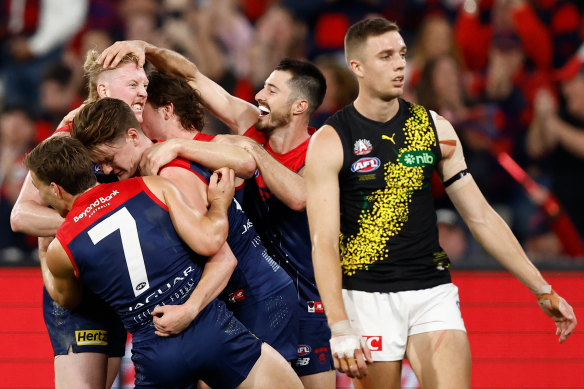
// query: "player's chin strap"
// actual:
[[548, 298], [344, 339]]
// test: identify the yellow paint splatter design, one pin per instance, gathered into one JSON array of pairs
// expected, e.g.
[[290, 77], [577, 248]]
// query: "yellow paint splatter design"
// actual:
[[389, 206]]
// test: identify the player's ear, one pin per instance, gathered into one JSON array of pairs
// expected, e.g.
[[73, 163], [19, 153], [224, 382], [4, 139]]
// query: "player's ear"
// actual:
[[168, 110], [57, 190], [132, 135], [355, 66], [299, 107], [102, 90]]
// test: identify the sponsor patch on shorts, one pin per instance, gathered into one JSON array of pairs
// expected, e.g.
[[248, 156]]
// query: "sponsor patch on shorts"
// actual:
[[315, 306], [91, 338], [374, 342]]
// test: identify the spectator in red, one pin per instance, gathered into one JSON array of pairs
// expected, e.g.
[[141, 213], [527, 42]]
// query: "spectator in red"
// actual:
[[479, 21], [557, 131], [17, 132]]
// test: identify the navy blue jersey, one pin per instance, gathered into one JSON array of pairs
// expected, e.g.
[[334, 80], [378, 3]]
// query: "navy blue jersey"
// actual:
[[259, 293], [283, 230], [122, 243], [257, 275]]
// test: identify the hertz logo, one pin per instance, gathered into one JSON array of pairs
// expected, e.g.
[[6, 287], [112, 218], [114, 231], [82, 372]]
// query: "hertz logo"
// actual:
[[91, 338]]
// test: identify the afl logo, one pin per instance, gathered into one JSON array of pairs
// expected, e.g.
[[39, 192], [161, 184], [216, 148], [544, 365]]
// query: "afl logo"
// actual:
[[140, 286], [365, 165], [303, 350]]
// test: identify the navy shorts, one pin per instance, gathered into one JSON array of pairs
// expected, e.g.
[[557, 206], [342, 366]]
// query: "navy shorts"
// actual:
[[273, 319], [92, 327], [314, 351], [215, 348]]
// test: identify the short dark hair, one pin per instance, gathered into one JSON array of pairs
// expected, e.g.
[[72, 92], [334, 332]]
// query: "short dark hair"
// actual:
[[358, 33], [64, 161], [307, 82], [164, 89], [103, 122]]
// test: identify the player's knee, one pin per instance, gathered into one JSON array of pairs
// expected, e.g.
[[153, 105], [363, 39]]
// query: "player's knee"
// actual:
[[271, 370]]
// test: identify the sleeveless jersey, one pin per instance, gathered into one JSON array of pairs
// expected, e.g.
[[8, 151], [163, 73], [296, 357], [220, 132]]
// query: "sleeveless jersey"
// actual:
[[389, 238], [123, 246], [256, 275], [283, 230], [201, 137]]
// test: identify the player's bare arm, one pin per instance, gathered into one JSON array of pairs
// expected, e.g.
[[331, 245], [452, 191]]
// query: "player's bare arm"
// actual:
[[324, 160], [213, 155], [285, 184], [62, 284], [492, 232], [170, 320], [173, 319], [236, 113], [211, 225], [30, 215]]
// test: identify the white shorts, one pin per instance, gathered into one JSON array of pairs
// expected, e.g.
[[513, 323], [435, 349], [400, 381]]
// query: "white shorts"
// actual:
[[386, 320]]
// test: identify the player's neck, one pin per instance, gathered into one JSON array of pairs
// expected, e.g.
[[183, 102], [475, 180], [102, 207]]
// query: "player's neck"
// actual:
[[287, 138], [70, 199], [178, 131], [375, 108]]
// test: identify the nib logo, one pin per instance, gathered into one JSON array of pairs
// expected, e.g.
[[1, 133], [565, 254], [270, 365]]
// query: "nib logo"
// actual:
[[417, 158]]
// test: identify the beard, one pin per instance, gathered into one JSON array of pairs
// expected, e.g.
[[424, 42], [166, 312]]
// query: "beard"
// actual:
[[275, 120]]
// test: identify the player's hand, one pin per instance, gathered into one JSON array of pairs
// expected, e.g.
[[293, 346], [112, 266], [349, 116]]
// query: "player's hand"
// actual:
[[157, 156], [111, 57], [68, 119], [350, 353], [171, 319], [560, 311], [244, 142], [222, 186], [43, 245]]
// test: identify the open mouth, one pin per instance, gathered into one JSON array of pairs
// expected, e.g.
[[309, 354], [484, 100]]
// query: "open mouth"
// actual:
[[264, 111]]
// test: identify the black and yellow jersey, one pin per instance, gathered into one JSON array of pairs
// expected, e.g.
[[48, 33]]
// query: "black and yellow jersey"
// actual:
[[389, 238]]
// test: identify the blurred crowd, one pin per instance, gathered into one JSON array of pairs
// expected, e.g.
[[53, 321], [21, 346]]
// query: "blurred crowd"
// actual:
[[508, 74]]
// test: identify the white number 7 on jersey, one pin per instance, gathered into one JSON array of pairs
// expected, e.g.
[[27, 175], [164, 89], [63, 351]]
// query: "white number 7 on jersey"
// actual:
[[122, 220]]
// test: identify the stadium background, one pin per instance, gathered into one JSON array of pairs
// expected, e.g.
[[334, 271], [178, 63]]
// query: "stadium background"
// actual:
[[237, 43]]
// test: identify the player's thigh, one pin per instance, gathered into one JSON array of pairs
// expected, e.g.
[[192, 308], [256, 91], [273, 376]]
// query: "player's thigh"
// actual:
[[80, 371], [380, 375], [440, 359], [322, 380], [271, 370]]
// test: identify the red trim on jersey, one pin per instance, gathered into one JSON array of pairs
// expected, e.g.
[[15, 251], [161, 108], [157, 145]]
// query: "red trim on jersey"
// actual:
[[185, 164], [95, 203], [89, 206], [293, 159], [256, 135], [68, 128], [66, 248], [204, 137], [152, 196]]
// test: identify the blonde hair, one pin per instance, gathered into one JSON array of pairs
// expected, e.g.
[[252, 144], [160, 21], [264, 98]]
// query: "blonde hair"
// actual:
[[93, 69]]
